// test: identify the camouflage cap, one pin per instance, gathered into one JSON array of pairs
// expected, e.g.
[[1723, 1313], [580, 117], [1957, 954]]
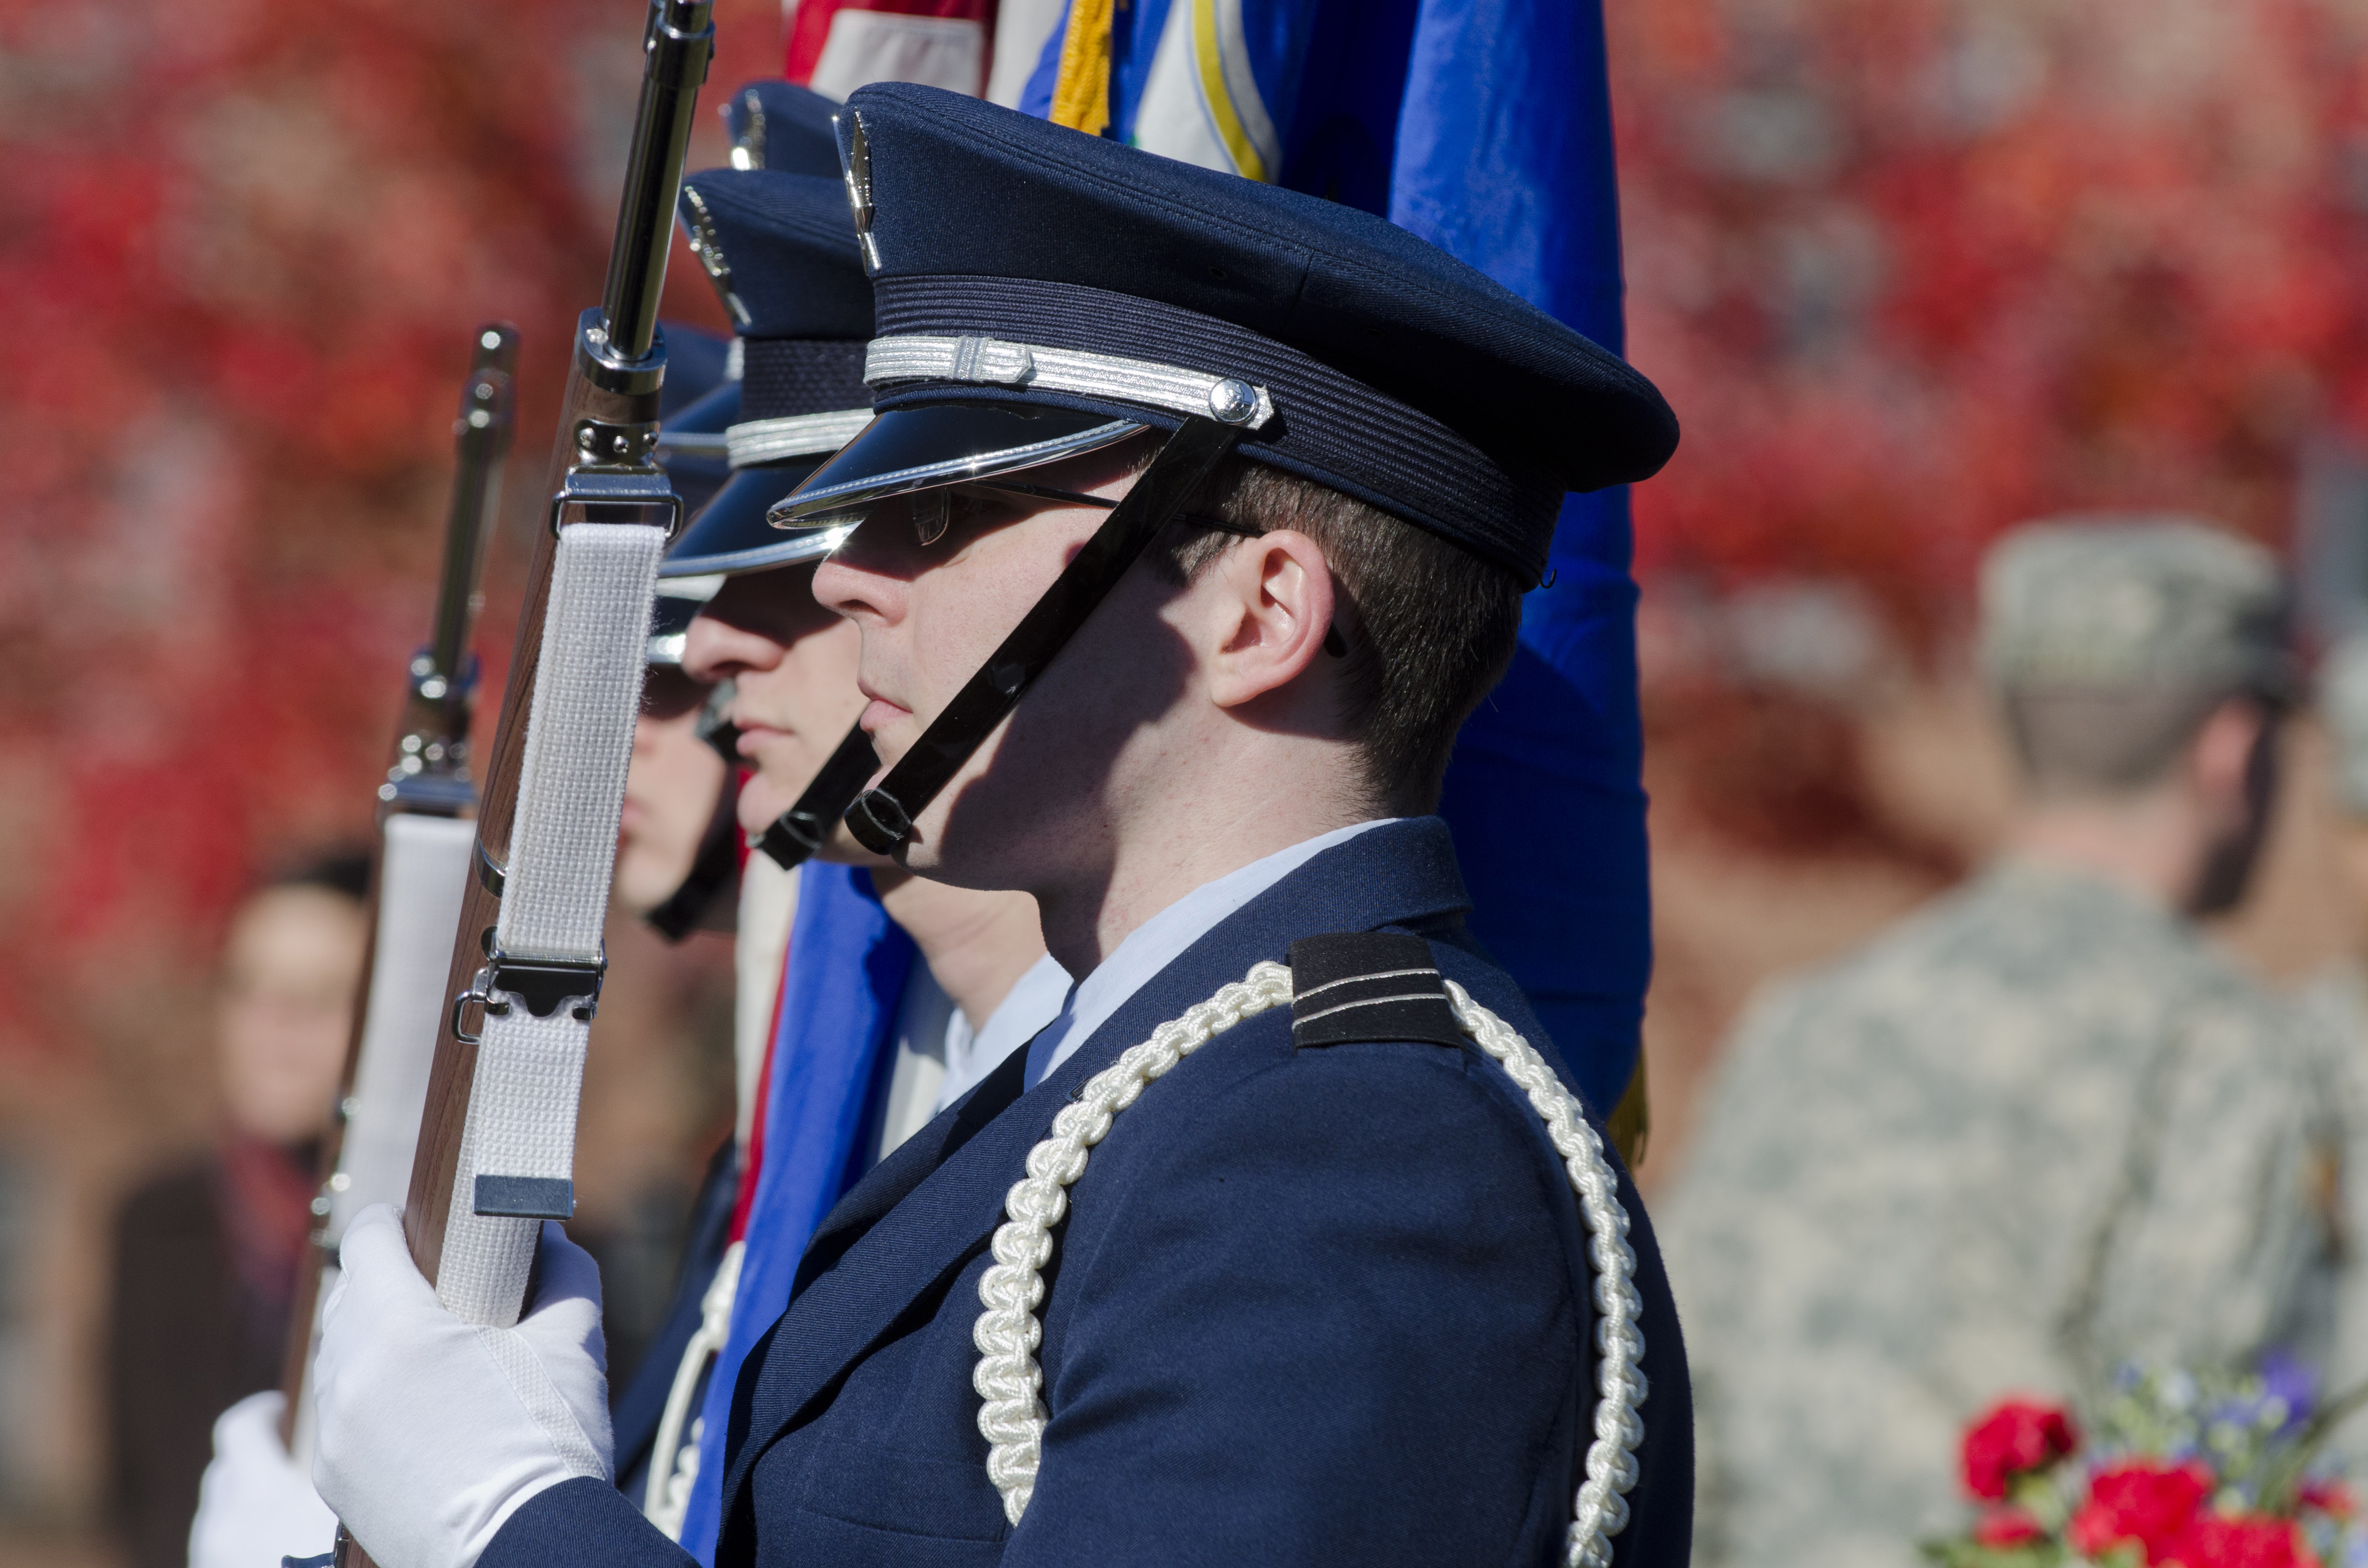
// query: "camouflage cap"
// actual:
[[2106, 601], [2343, 708]]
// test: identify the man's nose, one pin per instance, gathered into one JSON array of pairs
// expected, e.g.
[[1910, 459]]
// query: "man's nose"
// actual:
[[867, 578], [715, 650]]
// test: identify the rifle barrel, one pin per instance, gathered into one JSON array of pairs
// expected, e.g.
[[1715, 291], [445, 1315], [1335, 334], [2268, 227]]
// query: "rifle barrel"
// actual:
[[679, 43], [428, 775], [610, 413], [482, 437], [610, 388]]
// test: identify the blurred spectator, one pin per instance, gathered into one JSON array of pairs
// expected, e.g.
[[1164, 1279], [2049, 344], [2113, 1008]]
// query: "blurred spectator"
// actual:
[[205, 1251], [2040, 1128], [2338, 999]]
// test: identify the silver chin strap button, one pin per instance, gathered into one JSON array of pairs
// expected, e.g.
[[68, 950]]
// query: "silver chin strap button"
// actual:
[[1233, 402]]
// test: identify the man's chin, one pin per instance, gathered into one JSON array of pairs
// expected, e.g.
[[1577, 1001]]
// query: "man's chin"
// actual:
[[841, 849], [759, 809]]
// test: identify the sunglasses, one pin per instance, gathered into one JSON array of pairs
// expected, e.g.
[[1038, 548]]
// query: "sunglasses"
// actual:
[[931, 508], [931, 521]]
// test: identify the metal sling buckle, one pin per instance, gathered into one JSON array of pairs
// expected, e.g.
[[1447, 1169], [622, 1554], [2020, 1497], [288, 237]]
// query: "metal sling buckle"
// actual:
[[633, 496], [545, 985]]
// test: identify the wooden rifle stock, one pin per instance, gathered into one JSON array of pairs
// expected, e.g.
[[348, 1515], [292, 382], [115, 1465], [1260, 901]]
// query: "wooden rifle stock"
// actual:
[[429, 773], [610, 415]]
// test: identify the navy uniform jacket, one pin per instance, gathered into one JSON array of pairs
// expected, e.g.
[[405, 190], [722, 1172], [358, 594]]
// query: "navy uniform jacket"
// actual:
[[1309, 1306]]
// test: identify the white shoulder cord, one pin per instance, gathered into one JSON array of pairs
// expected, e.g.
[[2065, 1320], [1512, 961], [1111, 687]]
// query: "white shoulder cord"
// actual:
[[674, 1457], [1010, 1383]]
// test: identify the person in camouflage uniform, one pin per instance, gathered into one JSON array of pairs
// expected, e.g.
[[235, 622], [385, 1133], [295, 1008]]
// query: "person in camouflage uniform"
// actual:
[[2040, 1128], [2337, 1000]]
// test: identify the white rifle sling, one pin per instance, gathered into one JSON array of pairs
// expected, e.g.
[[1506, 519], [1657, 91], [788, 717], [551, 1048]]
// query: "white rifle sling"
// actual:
[[521, 1133], [1010, 1386], [422, 875]]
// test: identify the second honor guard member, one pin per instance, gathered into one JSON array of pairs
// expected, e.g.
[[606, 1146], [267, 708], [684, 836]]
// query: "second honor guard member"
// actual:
[[893, 1039], [1195, 519]]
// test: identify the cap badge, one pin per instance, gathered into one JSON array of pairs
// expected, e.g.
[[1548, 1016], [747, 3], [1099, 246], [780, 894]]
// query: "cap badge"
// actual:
[[748, 147], [855, 158], [700, 230]]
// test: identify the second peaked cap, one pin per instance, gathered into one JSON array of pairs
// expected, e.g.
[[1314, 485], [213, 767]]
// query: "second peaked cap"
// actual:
[[780, 250]]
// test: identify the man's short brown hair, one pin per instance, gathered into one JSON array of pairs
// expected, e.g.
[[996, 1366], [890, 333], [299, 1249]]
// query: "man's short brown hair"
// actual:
[[1430, 627]]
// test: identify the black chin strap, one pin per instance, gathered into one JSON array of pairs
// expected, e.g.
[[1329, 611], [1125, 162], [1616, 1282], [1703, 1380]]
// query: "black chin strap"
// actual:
[[796, 836], [881, 818]]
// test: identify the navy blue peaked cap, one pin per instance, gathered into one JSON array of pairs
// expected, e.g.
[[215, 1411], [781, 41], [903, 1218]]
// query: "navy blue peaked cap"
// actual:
[[697, 363], [784, 128], [1395, 373], [690, 441], [780, 249]]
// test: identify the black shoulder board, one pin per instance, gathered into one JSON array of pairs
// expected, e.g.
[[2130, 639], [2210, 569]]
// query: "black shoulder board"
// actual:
[[1368, 985]]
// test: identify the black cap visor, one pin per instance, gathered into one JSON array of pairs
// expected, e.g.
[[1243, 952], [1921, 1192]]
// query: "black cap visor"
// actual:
[[731, 534], [907, 450]]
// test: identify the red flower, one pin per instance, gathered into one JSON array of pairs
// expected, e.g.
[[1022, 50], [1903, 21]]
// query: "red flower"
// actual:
[[2328, 1497], [2015, 1437], [2242, 1541], [2144, 1501], [2005, 1527]]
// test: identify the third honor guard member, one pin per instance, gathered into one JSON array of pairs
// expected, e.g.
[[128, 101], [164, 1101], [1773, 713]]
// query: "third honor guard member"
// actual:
[[2041, 1129], [845, 1084], [1237, 1262]]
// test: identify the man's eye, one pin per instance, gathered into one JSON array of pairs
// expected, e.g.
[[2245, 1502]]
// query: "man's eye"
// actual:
[[973, 509]]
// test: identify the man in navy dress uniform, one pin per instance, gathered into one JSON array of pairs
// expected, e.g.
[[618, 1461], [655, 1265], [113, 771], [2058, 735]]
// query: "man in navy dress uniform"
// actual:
[[781, 250], [1194, 521]]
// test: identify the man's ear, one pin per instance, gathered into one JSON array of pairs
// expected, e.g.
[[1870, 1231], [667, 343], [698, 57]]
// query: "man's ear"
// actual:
[[1271, 602], [2221, 757]]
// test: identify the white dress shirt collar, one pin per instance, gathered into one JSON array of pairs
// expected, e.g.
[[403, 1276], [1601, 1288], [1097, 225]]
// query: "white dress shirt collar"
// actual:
[[1160, 940]]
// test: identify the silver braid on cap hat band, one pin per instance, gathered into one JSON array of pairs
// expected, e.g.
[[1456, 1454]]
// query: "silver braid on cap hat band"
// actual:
[[987, 361], [1010, 1384], [759, 441]]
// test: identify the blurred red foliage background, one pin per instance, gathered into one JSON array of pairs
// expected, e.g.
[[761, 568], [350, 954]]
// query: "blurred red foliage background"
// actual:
[[1910, 270], [244, 245]]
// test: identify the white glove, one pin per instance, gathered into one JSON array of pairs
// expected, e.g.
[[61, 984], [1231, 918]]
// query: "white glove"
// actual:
[[255, 1505], [431, 1432]]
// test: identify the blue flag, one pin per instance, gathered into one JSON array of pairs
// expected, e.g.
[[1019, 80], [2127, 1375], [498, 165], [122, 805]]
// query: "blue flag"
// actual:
[[839, 999], [1484, 126]]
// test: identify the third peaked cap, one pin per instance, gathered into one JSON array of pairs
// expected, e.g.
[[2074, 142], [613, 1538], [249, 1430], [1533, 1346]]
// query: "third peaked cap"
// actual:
[[1396, 372]]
